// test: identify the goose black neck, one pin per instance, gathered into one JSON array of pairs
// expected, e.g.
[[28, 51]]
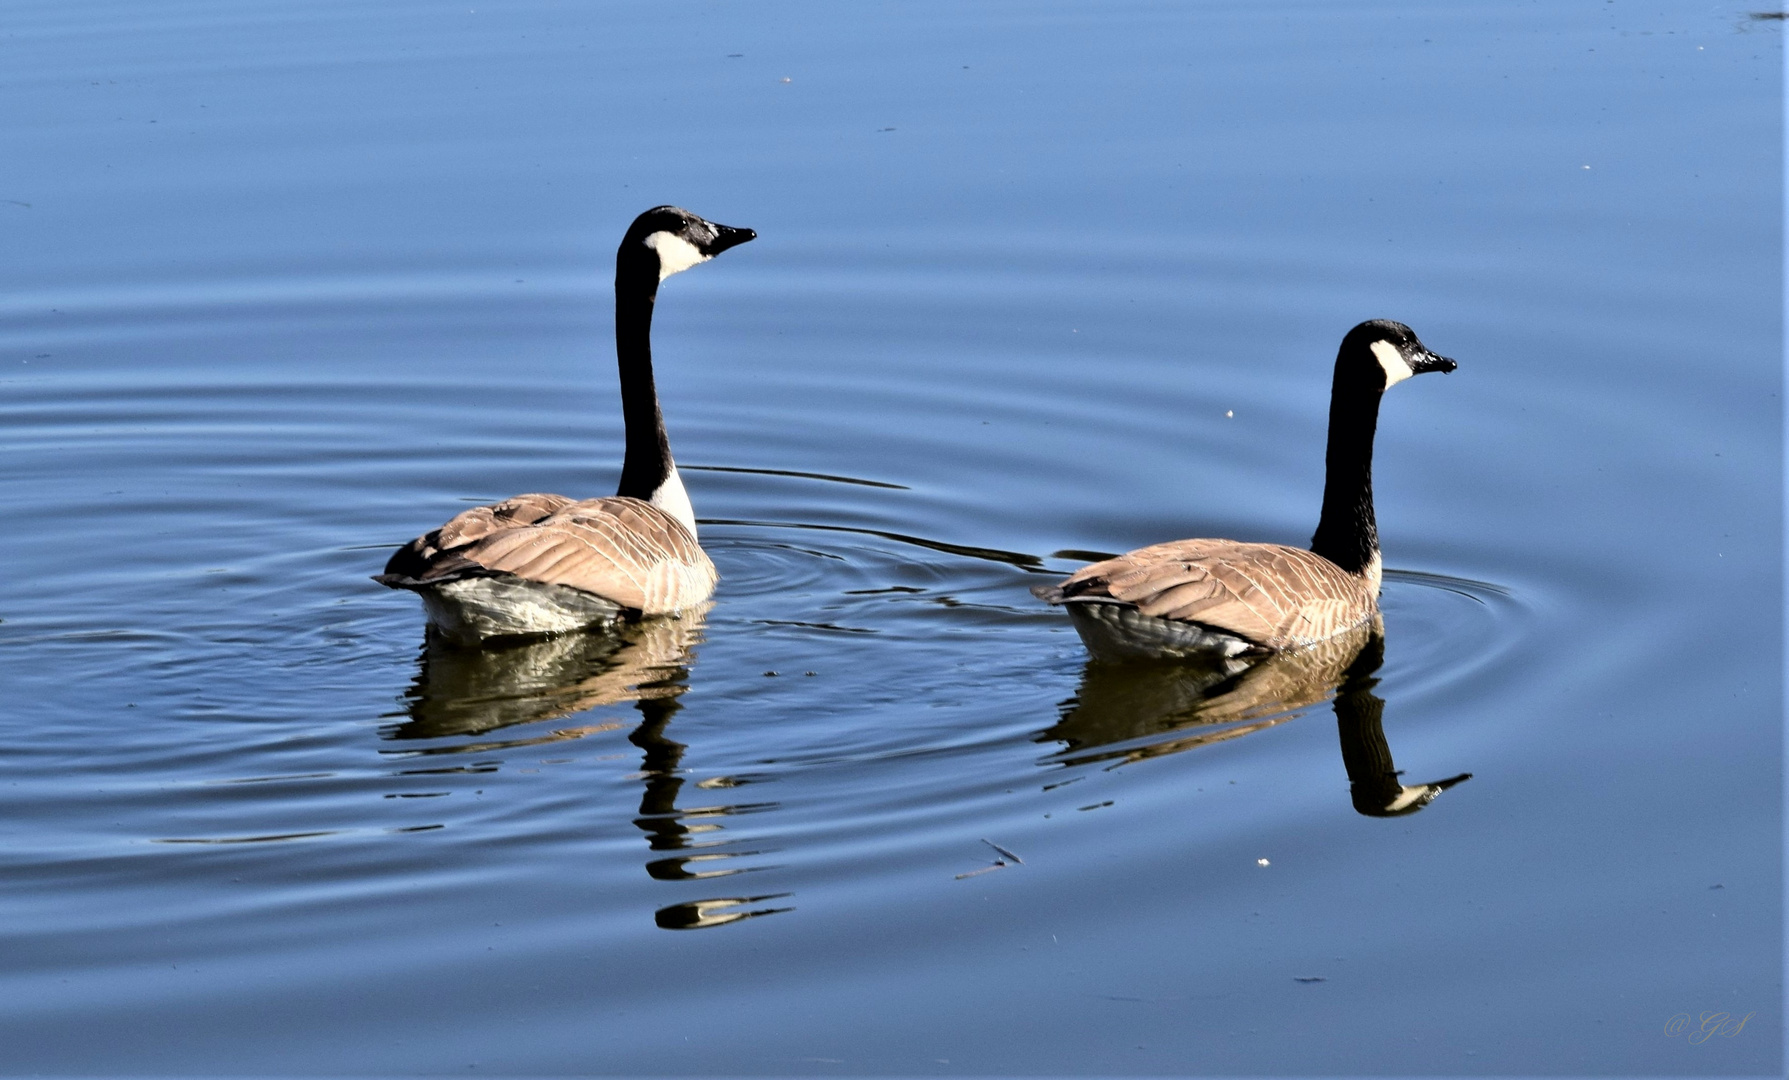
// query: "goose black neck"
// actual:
[[647, 461], [1347, 534]]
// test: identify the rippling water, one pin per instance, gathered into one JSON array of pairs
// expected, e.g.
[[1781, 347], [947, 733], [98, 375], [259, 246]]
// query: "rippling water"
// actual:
[[290, 285]]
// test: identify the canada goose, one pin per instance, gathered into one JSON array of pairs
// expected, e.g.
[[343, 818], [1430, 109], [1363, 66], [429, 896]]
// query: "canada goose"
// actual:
[[539, 564], [1231, 598]]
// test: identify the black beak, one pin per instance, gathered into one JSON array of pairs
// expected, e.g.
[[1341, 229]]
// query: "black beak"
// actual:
[[726, 236], [1429, 361]]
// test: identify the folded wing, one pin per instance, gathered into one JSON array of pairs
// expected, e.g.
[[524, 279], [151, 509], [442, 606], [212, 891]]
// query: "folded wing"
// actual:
[[624, 550], [1278, 597]]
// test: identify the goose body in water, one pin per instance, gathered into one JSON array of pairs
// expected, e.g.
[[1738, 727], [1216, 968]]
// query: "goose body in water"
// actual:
[[1231, 598], [541, 564]]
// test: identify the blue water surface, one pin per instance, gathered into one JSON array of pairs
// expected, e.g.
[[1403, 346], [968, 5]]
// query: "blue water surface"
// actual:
[[287, 284]]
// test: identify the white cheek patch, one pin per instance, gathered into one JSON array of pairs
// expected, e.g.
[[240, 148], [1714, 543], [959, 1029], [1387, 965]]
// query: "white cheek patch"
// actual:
[[1397, 369], [674, 253]]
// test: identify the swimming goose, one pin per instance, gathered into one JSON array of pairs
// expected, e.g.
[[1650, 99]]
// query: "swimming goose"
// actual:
[[539, 564], [1231, 598]]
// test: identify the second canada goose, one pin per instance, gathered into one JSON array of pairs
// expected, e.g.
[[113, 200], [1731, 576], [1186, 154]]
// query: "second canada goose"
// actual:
[[539, 564], [1231, 598]]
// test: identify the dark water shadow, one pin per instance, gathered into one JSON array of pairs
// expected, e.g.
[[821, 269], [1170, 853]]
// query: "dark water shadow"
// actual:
[[1126, 712], [467, 691]]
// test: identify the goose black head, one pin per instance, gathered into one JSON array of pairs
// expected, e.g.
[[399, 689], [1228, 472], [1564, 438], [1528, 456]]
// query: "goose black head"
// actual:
[[676, 239], [1383, 353]]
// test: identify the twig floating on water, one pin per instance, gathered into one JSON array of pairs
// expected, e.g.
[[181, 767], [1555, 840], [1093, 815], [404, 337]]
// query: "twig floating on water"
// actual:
[[1004, 853]]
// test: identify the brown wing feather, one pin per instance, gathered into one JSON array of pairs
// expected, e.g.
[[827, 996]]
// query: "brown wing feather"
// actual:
[[1276, 596], [421, 559], [624, 550]]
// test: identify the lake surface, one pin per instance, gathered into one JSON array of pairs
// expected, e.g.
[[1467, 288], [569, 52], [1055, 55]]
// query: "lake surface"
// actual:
[[288, 284]]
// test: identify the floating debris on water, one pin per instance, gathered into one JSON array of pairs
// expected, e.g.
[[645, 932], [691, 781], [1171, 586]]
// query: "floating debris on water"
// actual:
[[1007, 854]]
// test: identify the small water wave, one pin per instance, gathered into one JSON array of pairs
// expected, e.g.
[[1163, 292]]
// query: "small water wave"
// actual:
[[970, 551], [829, 477], [1443, 630]]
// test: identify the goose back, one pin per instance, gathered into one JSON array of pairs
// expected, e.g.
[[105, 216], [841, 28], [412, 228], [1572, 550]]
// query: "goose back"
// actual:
[[1267, 596], [623, 550]]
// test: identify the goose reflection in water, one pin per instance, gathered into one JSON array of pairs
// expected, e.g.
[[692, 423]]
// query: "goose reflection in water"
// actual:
[[461, 690], [1123, 710], [468, 690], [682, 831]]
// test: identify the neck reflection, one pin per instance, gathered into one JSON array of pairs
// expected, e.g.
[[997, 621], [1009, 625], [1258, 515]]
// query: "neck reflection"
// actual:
[[692, 833], [1125, 712], [1373, 779]]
